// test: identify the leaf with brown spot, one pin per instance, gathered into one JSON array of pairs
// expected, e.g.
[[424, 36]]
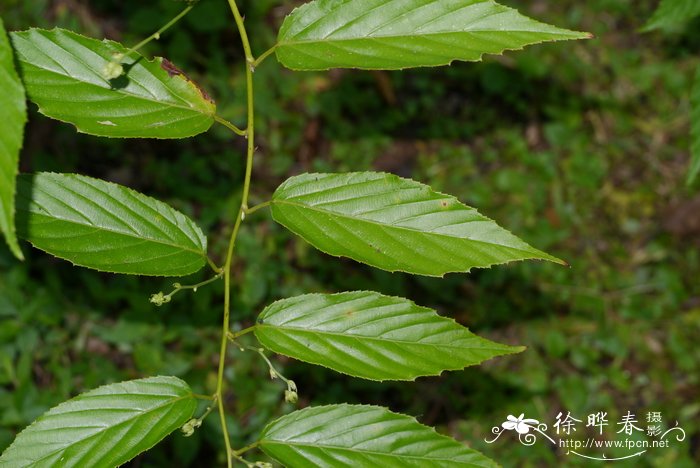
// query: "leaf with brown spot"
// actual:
[[64, 74]]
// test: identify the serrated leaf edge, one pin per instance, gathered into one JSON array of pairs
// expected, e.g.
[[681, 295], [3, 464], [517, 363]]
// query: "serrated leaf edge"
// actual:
[[37, 420], [139, 194], [567, 35], [544, 256], [505, 348], [156, 59], [11, 237], [413, 419]]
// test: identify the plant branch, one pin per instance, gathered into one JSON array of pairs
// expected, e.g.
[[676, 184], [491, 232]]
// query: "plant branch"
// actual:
[[207, 411], [230, 126], [265, 54], [214, 266], [257, 207], [159, 298], [232, 336], [250, 135], [246, 448], [156, 35], [194, 287]]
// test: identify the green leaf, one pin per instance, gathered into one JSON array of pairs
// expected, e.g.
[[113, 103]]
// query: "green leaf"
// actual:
[[101, 225], [13, 116], [695, 130], [105, 427], [65, 74], [394, 224], [368, 335], [396, 34], [362, 436], [673, 13]]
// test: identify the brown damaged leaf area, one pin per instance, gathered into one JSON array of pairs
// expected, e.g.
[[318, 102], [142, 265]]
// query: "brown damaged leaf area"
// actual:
[[172, 71]]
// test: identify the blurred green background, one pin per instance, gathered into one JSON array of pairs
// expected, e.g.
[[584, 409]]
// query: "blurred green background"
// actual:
[[580, 148]]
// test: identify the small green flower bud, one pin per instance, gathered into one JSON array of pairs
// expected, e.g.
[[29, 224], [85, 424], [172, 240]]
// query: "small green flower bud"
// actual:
[[291, 397], [190, 426], [159, 299], [112, 70]]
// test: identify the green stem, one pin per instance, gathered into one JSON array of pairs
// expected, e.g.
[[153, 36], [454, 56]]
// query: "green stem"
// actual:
[[245, 331], [194, 287], [246, 448], [261, 352], [156, 35], [194, 423], [230, 126], [274, 373], [159, 299], [214, 266], [257, 207], [265, 54], [250, 135], [208, 410]]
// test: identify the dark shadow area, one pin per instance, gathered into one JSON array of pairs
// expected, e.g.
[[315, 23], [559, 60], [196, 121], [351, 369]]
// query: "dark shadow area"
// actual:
[[122, 81]]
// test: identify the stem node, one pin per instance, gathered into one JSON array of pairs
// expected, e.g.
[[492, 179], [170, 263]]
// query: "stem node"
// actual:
[[250, 136]]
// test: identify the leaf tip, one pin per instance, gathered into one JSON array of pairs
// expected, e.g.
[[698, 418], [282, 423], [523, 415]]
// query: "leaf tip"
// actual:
[[173, 71], [12, 244], [557, 260], [19, 255]]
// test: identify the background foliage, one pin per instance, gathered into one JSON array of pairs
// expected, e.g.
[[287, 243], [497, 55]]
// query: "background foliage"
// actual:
[[580, 148]]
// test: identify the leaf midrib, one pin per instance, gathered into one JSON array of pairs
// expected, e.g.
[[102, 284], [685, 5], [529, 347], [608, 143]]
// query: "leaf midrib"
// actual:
[[346, 449], [127, 94], [112, 231], [403, 228], [56, 218], [108, 89], [130, 233], [377, 339], [106, 428], [567, 34]]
